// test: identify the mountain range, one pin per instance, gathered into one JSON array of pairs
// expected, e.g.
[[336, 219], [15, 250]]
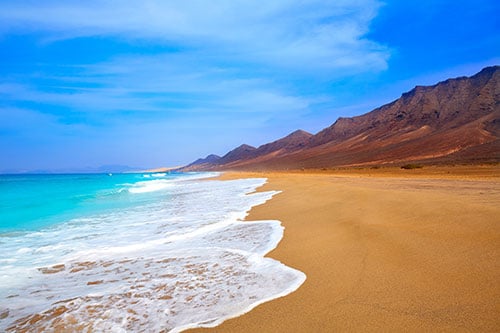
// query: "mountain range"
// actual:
[[454, 121]]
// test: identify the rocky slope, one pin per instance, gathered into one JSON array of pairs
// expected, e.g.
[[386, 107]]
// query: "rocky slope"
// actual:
[[454, 121]]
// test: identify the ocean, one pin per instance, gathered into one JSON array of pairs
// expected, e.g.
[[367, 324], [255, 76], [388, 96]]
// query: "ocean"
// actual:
[[134, 252]]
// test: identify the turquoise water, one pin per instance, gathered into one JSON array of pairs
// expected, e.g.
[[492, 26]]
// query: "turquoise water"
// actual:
[[134, 252], [31, 202]]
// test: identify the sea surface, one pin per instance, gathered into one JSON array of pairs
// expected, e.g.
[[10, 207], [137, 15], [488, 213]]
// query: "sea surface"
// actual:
[[134, 252]]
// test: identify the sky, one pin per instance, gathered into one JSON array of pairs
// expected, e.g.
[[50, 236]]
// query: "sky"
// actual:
[[162, 83]]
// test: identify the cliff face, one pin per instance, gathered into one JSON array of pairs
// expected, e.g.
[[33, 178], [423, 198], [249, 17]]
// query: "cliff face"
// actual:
[[454, 121]]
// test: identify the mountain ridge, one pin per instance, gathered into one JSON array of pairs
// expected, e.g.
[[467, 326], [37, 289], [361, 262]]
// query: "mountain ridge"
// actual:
[[456, 120]]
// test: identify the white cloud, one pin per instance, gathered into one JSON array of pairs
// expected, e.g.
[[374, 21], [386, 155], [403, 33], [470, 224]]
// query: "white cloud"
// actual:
[[235, 67], [163, 84], [298, 35]]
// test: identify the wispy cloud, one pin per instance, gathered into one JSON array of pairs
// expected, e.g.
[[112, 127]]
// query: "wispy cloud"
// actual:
[[146, 84], [292, 34], [185, 69]]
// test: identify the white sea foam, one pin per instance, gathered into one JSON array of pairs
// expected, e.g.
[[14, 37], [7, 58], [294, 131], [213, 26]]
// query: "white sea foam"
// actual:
[[158, 175], [180, 261], [163, 184], [150, 186]]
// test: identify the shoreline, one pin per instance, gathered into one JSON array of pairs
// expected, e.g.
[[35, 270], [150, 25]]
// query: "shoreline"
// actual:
[[383, 250]]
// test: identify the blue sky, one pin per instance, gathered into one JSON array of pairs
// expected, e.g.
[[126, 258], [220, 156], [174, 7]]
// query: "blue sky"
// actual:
[[161, 83]]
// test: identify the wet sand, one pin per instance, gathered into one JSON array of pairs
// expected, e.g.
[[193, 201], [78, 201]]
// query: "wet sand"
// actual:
[[384, 250]]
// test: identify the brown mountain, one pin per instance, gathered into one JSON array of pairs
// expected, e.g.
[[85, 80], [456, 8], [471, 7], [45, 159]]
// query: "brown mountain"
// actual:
[[289, 143], [241, 153], [282, 147], [204, 162], [455, 121]]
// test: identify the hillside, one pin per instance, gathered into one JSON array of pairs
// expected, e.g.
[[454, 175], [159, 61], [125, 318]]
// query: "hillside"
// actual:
[[454, 121]]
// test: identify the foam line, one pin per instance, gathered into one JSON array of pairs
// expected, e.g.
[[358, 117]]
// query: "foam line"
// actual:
[[175, 261]]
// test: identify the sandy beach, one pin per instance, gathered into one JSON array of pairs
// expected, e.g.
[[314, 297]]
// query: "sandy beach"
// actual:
[[384, 250]]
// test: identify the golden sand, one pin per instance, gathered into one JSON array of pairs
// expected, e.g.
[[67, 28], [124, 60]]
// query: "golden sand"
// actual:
[[384, 250]]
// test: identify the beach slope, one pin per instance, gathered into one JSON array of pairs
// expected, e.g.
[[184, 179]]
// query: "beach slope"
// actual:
[[384, 251]]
